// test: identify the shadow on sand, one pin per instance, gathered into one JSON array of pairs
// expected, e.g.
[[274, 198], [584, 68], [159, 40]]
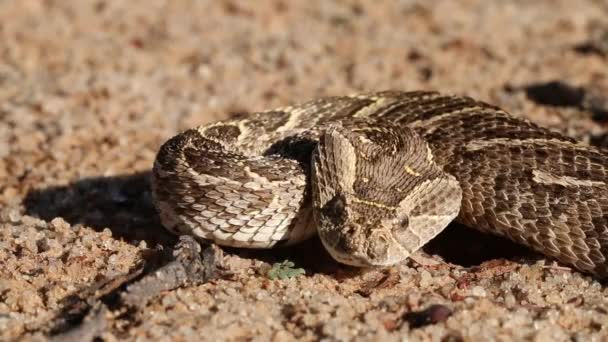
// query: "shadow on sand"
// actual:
[[124, 205]]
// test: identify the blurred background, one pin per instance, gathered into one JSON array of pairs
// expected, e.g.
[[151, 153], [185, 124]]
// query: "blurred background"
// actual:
[[90, 89]]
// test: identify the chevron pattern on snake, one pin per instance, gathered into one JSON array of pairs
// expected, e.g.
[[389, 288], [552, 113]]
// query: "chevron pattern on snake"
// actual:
[[378, 175]]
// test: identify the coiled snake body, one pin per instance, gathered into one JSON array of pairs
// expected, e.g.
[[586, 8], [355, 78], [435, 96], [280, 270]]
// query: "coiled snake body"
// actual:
[[378, 175]]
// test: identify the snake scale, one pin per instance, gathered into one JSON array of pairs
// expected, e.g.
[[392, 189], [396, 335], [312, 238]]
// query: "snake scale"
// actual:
[[378, 175]]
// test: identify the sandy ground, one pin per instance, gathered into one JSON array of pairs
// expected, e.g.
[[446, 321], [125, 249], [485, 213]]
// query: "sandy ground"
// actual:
[[90, 89]]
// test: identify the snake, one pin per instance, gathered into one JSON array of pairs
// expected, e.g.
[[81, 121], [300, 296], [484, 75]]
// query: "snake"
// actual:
[[378, 175]]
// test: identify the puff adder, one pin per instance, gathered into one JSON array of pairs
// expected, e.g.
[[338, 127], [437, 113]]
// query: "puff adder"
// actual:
[[378, 175]]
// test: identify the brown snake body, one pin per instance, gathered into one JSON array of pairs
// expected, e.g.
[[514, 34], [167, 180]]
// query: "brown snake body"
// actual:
[[378, 175]]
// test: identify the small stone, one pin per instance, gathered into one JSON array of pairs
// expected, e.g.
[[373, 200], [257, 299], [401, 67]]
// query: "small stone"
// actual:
[[142, 244], [59, 224], [553, 298], [14, 216], [426, 279], [478, 291], [510, 300]]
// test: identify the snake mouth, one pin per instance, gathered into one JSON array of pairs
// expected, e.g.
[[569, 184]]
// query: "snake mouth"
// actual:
[[378, 248], [361, 260], [384, 250]]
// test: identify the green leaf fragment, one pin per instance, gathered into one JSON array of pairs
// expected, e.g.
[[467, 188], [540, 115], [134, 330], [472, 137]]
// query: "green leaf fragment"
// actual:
[[284, 270]]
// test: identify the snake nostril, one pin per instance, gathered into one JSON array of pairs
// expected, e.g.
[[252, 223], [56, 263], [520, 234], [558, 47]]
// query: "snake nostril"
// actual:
[[346, 244], [335, 210], [400, 224]]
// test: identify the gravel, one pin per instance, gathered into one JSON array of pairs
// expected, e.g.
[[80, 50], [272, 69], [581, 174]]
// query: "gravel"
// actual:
[[90, 89]]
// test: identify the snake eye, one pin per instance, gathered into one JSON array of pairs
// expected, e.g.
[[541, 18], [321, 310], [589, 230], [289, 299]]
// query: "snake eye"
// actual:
[[401, 223]]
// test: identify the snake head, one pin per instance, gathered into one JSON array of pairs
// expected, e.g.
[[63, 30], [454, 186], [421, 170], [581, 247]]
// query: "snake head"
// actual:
[[377, 194]]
